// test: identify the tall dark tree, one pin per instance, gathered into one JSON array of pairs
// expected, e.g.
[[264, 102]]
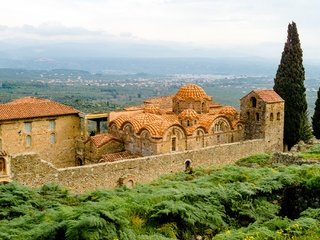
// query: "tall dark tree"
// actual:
[[316, 118], [289, 84]]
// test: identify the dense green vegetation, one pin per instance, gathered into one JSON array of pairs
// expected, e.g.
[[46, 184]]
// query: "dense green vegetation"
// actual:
[[235, 202], [316, 117], [289, 84]]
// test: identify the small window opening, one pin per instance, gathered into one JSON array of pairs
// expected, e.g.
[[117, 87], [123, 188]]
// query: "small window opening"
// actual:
[[174, 144], [248, 115], [27, 127], [253, 102], [257, 117], [28, 141], [278, 116], [271, 116], [52, 138]]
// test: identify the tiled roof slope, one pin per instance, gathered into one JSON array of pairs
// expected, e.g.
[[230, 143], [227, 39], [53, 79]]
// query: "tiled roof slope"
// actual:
[[31, 107], [268, 95], [101, 139], [112, 157], [162, 102]]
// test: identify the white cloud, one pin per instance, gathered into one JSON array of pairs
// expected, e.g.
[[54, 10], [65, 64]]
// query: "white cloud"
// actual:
[[203, 23]]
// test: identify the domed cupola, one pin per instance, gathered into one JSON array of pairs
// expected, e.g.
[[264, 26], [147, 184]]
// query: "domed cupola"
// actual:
[[188, 117], [191, 96]]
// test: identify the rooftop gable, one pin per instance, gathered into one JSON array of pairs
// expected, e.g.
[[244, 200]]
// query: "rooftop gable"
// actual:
[[267, 95], [32, 107]]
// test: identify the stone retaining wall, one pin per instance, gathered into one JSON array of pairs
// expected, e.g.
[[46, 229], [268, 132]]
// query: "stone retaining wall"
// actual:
[[32, 171]]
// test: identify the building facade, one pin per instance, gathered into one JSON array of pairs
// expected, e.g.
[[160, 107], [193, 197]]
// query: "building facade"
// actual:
[[193, 121], [41, 126]]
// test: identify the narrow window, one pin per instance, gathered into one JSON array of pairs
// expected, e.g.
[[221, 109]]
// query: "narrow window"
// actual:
[[2, 166], [202, 107], [257, 117], [248, 115], [174, 144], [27, 127], [278, 116], [188, 123], [253, 102], [52, 138], [0, 144], [52, 125], [28, 141], [271, 116]]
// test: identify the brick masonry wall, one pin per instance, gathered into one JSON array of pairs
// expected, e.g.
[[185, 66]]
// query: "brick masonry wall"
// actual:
[[30, 170]]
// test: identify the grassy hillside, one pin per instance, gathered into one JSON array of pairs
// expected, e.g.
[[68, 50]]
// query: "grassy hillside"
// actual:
[[234, 202]]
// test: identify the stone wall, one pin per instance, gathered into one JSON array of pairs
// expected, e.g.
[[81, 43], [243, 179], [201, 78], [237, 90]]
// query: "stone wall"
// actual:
[[54, 143], [32, 171]]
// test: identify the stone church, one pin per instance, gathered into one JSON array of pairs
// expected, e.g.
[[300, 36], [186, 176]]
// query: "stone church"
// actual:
[[191, 120]]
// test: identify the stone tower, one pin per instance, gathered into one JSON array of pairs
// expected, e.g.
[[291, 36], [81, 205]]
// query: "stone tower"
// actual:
[[262, 112]]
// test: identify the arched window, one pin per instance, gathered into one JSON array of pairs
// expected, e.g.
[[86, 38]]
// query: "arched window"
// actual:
[[28, 141], [202, 107], [188, 123], [271, 116], [257, 117], [253, 102], [278, 116], [52, 138]]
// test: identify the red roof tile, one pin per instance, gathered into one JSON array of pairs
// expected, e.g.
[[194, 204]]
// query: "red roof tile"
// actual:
[[101, 139], [31, 107], [268, 95], [112, 157]]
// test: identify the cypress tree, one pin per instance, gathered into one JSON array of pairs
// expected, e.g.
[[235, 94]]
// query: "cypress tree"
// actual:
[[289, 84], [316, 118]]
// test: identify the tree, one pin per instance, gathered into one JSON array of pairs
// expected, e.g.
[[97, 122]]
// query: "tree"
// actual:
[[316, 118], [289, 84]]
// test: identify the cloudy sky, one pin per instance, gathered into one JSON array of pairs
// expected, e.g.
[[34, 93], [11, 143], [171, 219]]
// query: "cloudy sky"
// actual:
[[238, 25]]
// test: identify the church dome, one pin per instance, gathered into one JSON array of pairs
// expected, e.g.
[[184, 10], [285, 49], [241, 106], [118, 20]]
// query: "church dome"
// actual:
[[192, 91], [228, 110], [188, 114]]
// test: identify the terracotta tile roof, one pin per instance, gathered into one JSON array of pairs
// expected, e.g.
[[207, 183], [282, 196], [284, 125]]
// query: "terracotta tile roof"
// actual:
[[192, 91], [31, 107], [101, 139], [188, 114], [268, 95], [162, 102], [112, 157]]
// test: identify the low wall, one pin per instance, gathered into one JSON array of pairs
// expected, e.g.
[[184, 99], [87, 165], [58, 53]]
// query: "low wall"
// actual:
[[31, 171]]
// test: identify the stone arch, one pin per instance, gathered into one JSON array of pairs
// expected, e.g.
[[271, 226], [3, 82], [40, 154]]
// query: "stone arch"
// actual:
[[145, 143], [220, 125], [127, 180], [174, 130], [187, 165], [200, 133], [113, 128]]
